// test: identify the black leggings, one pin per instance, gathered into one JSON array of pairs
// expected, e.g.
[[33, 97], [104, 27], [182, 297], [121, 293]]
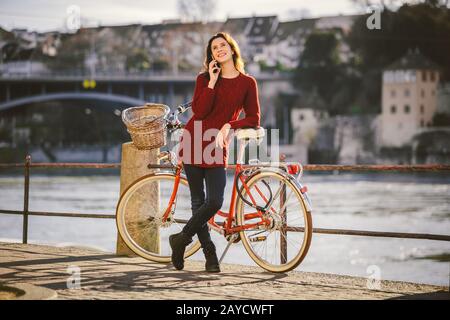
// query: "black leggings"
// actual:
[[203, 209]]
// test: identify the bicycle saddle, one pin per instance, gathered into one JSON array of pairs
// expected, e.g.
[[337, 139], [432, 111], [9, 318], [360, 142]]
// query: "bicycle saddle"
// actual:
[[250, 133]]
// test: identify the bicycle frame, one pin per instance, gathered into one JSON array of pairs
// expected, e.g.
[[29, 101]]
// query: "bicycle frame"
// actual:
[[227, 228]]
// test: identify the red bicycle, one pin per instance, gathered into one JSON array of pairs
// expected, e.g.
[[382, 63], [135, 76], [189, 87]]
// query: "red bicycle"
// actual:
[[270, 211]]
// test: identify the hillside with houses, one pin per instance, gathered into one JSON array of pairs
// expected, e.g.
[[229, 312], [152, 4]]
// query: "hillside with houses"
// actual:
[[267, 44]]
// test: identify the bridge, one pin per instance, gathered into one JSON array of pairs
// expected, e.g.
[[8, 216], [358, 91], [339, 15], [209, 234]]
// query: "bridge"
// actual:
[[70, 96], [20, 89]]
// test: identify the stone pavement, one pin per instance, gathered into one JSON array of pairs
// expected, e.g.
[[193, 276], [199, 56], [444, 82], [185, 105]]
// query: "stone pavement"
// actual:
[[107, 276]]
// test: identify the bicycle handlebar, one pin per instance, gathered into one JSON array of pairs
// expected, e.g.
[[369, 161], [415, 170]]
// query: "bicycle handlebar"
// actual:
[[173, 122], [182, 108]]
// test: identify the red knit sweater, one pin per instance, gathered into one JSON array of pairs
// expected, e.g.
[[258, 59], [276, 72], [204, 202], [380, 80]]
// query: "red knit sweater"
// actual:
[[212, 108]]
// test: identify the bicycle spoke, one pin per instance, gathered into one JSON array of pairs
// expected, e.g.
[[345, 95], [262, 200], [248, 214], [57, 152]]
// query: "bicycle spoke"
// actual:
[[275, 252]]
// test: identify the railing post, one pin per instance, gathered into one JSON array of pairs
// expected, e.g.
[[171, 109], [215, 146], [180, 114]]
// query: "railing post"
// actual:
[[283, 231], [25, 199]]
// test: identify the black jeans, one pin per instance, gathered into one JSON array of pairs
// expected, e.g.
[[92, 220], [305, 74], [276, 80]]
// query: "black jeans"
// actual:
[[204, 208]]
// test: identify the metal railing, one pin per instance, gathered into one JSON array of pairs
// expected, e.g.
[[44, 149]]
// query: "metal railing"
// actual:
[[27, 165]]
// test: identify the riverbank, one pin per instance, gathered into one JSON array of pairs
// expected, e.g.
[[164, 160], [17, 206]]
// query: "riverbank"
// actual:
[[107, 276]]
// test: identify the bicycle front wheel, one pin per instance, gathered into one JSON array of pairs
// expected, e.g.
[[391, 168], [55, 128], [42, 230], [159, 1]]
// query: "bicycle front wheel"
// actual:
[[140, 211], [282, 245]]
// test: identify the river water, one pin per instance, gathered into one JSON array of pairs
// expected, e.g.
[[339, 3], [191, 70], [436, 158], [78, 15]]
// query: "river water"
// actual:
[[394, 202]]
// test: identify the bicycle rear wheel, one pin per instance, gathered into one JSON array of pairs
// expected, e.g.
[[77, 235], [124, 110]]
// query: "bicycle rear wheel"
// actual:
[[139, 215], [281, 246]]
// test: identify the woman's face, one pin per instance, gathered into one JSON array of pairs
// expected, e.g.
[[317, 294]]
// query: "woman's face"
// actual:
[[221, 50]]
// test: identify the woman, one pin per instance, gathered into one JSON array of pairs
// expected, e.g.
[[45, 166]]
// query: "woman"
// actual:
[[221, 92]]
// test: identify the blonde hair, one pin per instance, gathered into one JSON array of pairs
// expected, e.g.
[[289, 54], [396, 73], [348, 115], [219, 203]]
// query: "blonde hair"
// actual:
[[237, 58]]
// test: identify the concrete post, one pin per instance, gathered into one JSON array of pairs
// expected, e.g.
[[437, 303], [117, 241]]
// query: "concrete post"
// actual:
[[133, 166]]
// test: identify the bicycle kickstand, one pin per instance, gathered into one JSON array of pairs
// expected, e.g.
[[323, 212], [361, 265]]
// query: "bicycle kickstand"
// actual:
[[230, 242]]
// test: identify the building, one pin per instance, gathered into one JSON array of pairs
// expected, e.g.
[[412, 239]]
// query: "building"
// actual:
[[409, 87], [305, 124], [288, 43]]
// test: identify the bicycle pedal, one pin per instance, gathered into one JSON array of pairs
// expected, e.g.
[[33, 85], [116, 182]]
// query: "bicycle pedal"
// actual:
[[258, 239]]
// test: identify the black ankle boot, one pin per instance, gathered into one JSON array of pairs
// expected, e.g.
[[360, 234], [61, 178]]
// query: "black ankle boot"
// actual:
[[212, 263], [178, 243]]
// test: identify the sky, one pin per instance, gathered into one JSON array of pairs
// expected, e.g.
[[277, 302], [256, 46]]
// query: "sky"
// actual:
[[47, 15]]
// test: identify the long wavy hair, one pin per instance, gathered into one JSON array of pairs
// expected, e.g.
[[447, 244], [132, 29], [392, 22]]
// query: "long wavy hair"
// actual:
[[237, 58]]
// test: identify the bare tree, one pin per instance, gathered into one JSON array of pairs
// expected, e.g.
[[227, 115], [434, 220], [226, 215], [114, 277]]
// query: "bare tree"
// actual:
[[196, 10]]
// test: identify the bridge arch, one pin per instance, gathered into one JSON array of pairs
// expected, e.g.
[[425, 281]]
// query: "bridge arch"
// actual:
[[129, 101]]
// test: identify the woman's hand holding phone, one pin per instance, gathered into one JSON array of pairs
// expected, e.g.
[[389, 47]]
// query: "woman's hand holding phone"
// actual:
[[214, 71]]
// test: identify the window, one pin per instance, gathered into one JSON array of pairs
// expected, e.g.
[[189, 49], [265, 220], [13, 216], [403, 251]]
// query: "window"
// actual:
[[424, 76], [422, 109], [407, 93], [407, 109], [393, 109], [432, 77], [301, 117], [411, 76]]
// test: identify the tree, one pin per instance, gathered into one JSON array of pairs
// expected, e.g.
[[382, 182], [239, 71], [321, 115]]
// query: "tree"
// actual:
[[319, 66], [138, 60], [196, 10]]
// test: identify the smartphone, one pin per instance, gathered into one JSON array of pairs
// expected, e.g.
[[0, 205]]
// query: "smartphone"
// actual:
[[216, 68]]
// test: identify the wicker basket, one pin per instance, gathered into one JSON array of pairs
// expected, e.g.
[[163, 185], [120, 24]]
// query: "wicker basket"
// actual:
[[147, 125]]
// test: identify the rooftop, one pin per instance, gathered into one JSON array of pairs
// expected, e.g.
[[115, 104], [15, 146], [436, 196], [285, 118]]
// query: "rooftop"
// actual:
[[413, 59]]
